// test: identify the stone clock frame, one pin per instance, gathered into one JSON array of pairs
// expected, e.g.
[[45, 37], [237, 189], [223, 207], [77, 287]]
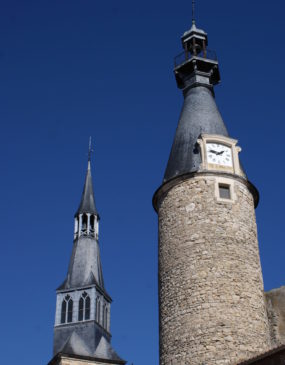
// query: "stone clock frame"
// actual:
[[229, 142]]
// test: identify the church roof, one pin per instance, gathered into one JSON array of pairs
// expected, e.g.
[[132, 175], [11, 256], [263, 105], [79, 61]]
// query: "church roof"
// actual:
[[104, 350], [199, 115], [87, 203], [75, 345]]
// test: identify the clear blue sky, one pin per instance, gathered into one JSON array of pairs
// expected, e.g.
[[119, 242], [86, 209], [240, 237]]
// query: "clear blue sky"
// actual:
[[70, 69]]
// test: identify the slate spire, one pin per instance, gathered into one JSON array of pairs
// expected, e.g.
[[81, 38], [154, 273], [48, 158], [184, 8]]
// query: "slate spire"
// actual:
[[85, 266]]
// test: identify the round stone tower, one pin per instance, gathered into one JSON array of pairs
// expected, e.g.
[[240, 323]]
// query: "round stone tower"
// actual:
[[211, 299]]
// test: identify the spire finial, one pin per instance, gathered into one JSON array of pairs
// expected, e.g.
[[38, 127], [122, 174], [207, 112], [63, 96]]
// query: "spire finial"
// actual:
[[90, 150], [193, 12]]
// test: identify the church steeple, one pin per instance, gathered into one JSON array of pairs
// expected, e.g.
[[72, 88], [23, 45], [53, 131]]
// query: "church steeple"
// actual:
[[82, 320]]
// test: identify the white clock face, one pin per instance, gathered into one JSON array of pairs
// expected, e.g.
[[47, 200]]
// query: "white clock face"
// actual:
[[219, 154]]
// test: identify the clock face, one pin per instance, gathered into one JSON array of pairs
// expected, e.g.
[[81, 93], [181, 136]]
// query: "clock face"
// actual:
[[219, 154]]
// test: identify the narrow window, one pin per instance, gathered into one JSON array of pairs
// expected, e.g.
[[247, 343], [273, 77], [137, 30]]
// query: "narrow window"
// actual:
[[84, 307], [92, 222], [84, 222], [80, 310], [103, 316], [69, 310], [98, 310], [66, 309], [87, 308], [106, 318], [63, 311], [224, 191]]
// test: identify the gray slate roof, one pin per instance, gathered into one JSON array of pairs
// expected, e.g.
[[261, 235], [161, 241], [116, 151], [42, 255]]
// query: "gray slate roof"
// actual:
[[87, 203], [85, 265], [104, 350], [199, 115], [77, 346]]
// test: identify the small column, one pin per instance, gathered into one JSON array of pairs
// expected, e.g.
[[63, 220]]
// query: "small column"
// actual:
[[75, 226], [57, 310], [80, 225], [108, 317], [96, 227], [88, 223], [93, 304]]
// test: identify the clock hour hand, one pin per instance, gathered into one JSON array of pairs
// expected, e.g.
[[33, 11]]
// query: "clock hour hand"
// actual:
[[215, 152], [220, 153]]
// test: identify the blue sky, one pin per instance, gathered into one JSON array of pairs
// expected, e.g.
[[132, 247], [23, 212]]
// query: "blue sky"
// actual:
[[70, 69]]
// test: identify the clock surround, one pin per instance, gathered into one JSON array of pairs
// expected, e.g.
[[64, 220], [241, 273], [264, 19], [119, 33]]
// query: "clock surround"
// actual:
[[219, 153]]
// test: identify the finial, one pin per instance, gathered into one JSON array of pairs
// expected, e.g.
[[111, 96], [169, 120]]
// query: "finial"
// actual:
[[193, 12], [90, 150]]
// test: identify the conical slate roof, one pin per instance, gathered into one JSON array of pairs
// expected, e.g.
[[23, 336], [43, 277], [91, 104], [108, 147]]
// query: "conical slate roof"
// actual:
[[87, 203], [199, 115], [85, 265]]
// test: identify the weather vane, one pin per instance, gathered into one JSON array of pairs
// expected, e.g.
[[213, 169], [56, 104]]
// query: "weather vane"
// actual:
[[193, 12], [90, 150]]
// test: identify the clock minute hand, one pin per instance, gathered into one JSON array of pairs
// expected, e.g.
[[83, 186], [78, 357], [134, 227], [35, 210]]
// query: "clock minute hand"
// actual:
[[215, 152]]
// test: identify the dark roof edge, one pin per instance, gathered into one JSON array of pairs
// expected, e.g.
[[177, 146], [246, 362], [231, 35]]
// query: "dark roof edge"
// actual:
[[165, 187], [264, 355], [75, 324], [59, 355]]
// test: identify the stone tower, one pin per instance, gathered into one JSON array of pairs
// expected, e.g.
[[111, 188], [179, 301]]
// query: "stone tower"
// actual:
[[82, 320], [211, 300]]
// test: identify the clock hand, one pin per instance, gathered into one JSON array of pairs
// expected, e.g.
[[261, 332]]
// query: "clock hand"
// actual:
[[220, 153], [215, 152]]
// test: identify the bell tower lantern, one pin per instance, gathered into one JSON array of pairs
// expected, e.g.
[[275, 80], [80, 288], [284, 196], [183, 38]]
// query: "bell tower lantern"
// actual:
[[196, 64]]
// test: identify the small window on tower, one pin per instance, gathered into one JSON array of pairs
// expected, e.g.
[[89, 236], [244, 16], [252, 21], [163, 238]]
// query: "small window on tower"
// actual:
[[92, 222], [70, 310], [87, 308], [84, 222], [66, 310], [84, 307], [63, 312], [224, 191], [80, 310]]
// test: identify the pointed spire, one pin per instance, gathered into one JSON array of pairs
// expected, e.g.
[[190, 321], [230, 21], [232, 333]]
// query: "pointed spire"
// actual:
[[87, 203]]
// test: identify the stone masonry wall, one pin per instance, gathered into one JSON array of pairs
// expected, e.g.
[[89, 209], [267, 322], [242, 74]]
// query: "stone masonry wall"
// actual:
[[212, 307], [69, 361], [64, 360], [275, 300]]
